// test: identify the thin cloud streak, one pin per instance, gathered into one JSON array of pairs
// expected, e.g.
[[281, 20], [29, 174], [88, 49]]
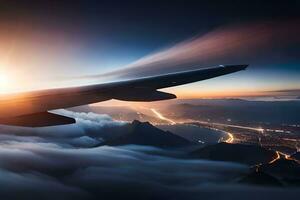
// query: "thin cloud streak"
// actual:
[[227, 45]]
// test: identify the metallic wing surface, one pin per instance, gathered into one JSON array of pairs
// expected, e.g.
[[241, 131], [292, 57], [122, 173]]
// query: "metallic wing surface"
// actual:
[[30, 109]]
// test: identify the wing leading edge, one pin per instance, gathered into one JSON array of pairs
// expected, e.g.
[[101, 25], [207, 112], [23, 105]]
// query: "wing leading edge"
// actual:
[[30, 105]]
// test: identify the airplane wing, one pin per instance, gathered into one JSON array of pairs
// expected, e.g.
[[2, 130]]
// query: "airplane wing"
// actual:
[[31, 108]]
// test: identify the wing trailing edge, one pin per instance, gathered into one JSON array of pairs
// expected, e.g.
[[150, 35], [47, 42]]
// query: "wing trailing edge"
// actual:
[[143, 95], [31, 108]]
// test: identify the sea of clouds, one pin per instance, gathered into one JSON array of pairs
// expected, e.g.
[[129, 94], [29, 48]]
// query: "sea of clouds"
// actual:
[[69, 162]]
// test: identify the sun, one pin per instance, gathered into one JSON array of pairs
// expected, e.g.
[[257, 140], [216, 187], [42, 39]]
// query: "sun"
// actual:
[[3, 79], [4, 82]]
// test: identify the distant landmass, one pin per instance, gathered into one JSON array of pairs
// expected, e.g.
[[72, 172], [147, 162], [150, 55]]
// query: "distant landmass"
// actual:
[[246, 154], [143, 133], [237, 111]]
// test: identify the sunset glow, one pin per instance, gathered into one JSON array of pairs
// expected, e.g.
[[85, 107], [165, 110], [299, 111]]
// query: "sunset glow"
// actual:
[[4, 82], [182, 99]]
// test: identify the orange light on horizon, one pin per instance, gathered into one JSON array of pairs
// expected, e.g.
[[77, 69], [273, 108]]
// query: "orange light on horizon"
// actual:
[[162, 117], [5, 82], [218, 94]]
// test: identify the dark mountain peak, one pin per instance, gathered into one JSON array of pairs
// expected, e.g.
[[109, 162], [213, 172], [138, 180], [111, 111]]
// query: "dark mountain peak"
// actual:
[[286, 169], [246, 154], [260, 178], [138, 124], [144, 133], [282, 164]]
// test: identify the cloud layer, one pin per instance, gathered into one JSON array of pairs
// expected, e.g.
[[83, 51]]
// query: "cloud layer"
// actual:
[[61, 163]]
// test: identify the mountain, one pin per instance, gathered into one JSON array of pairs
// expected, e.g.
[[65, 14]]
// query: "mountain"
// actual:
[[284, 169], [246, 154], [143, 133], [260, 178]]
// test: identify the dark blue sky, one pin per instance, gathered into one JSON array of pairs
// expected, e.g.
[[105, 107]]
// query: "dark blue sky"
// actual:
[[75, 38]]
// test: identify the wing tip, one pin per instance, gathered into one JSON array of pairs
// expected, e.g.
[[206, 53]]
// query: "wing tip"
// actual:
[[235, 68], [243, 67], [238, 67]]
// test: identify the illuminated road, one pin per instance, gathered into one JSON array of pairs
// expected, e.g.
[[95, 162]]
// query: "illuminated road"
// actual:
[[257, 129], [284, 156], [160, 116], [220, 127], [260, 130], [230, 138], [277, 157]]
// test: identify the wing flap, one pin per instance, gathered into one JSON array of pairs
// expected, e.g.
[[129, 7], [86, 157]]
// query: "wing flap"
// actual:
[[143, 95], [37, 120]]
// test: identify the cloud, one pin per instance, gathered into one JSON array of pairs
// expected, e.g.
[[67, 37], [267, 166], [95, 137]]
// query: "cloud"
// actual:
[[90, 129], [103, 170], [22, 185], [116, 172], [286, 92], [45, 164], [236, 44]]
